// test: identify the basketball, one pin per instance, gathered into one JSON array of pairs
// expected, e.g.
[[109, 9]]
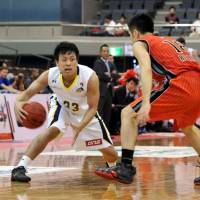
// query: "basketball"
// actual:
[[36, 115]]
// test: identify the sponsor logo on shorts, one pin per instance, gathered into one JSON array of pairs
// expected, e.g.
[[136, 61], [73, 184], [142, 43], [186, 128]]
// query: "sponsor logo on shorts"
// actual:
[[93, 142]]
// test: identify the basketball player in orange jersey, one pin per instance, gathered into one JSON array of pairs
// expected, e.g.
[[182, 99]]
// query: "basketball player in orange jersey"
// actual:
[[179, 97], [75, 101]]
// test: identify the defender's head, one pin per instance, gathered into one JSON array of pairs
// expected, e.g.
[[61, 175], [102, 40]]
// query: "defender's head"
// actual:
[[140, 25]]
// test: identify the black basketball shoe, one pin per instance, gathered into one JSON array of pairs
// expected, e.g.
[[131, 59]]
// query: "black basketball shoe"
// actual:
[[197, 181], [19, 174], [121, 172]]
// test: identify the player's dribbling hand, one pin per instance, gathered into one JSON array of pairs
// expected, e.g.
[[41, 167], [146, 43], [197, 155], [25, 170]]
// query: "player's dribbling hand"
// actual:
[[76, 132], [143, 114], [19, 111]]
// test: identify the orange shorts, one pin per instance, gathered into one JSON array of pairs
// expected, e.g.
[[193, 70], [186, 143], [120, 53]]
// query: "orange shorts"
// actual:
[[178, 99]]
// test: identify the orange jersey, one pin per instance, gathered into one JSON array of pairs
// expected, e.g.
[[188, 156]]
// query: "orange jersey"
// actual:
[[179, 96], [168, 57]]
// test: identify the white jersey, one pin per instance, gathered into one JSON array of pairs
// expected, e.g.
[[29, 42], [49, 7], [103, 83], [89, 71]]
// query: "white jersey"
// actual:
[[74, 97], [68, 106]]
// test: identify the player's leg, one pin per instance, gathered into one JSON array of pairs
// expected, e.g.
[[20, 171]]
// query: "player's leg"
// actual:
[[110, 155], [33, 150], [193, 135], [129, 129], [56, 124], [41, 141], [96, 136], [124, 171]]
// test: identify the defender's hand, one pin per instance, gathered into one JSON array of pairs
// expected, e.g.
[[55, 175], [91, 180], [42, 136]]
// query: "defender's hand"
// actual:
[[143, 114]]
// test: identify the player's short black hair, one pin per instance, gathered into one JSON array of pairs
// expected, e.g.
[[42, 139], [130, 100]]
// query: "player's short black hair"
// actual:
[[65, 47], [142, 22]]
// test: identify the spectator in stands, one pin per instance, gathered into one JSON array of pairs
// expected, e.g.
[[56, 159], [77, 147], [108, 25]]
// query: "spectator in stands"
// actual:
[[126, 75], [103, 68], [196, 29], [108, 30], [121, 27], [171, 17], [193, 52], [4, 64], [111, 58], [109, 23], [122, 97], [34, 75], [4, 82], [114, 73], [18, 83]]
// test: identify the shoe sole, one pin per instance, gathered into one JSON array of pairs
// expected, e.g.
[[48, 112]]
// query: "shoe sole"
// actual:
[[21, 181], [107, 176], [197, 183], [112, 177]]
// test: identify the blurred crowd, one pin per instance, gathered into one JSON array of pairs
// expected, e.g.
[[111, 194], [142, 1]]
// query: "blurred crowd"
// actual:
[[15, 79], [112, 19], [110, 27]]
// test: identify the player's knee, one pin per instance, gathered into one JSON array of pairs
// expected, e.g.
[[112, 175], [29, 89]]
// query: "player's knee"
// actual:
[[127, 113], [187, 129], [52, 133]]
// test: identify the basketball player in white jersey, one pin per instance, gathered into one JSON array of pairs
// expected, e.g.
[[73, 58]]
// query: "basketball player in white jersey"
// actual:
[[74, 103]]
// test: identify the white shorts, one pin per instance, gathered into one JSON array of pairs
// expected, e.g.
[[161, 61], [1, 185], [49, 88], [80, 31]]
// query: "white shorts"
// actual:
[[94, 136]]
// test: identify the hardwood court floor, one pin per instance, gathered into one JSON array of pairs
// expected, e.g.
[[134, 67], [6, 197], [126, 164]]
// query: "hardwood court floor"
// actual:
[[60, 175]]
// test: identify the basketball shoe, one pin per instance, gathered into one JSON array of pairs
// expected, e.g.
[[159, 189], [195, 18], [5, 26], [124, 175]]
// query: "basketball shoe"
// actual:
[[19, 174], [197, 181], [121, 172]]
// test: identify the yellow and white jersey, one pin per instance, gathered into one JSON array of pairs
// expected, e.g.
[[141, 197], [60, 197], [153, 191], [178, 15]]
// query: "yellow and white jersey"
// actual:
[[69, 105], [74, 97]]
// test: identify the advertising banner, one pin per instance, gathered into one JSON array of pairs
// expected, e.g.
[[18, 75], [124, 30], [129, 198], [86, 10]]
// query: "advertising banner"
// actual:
[[22, 133], [5, 126]]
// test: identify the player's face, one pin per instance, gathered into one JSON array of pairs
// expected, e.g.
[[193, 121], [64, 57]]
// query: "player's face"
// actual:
[[67, 63]]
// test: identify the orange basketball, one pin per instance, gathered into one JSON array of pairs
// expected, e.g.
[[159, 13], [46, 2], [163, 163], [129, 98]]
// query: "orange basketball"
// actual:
[[36, 115]]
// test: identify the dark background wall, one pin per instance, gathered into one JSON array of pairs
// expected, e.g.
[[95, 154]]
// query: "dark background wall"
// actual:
[[71, 11], [40, 10]]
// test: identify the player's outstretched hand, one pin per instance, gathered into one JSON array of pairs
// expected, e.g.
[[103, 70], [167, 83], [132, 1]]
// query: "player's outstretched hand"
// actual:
[[19, 111], [143, 114], [76, 132]]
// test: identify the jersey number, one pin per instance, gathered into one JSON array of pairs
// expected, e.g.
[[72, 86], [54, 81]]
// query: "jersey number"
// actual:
[[177, 45], [180, 50], [72, 106]]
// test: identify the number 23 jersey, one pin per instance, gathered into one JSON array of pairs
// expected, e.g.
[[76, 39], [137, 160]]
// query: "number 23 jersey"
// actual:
[[74, 97]]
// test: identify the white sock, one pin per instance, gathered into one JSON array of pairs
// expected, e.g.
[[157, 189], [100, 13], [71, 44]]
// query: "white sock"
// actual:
[[25, 160]]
